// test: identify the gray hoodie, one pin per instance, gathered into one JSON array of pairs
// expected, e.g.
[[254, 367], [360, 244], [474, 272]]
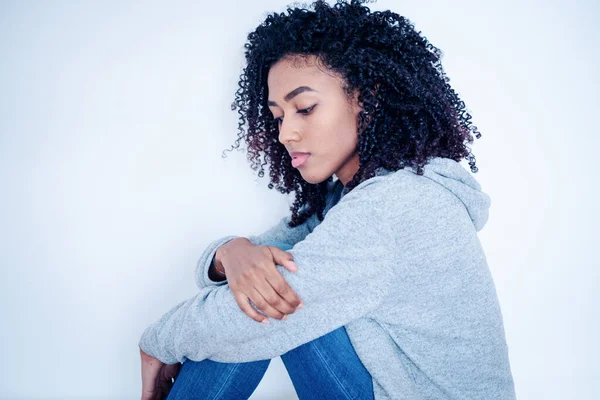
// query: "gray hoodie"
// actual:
[[397, 262]]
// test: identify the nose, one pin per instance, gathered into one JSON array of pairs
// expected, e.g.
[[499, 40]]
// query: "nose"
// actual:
[[288, 132]]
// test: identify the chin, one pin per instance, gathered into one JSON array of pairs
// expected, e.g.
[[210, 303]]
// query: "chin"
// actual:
[[310, 180], [314, 179]]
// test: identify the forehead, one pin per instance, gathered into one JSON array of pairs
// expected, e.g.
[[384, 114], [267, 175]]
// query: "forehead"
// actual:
[[287, 74]]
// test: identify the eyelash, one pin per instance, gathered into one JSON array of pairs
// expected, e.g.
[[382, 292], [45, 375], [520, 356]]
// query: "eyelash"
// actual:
[[306, 111]]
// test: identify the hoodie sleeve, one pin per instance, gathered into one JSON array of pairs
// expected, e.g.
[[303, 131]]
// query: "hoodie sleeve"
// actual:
[[344, 273], [280, 233]]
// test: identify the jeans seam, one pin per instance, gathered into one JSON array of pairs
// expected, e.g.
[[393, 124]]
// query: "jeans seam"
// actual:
[[216, 397], [331, 372]]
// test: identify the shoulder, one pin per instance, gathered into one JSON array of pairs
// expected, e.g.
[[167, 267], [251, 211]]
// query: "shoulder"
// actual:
[[404, 195], [445, 186], [393, 188]]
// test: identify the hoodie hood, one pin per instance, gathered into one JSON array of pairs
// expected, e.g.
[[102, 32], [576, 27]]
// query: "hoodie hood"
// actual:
[[458, 180]]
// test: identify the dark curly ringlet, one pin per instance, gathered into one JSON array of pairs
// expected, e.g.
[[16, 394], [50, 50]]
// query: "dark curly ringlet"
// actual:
[[410, 115]]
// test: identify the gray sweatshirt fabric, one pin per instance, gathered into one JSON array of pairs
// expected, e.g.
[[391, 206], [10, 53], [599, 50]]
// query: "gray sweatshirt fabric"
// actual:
[[397, 261]]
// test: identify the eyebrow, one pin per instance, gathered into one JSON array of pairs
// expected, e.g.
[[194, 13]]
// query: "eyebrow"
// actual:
[[292, 94]]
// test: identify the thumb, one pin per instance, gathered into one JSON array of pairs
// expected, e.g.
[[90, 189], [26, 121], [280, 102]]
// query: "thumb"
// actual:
[[283, 258]]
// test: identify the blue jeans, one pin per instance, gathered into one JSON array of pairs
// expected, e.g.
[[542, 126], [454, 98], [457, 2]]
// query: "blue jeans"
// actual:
[[325, 368]]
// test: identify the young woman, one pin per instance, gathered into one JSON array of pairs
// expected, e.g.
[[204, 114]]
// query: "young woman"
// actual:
[[376, 284]]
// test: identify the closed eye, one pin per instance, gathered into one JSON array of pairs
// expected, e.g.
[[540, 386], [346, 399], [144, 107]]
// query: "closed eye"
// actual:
[[305, 111]]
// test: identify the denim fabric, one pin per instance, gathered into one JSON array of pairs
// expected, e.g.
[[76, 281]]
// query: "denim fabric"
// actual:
[[326, 368]]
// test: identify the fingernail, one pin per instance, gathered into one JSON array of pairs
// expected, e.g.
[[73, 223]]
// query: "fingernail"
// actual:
[[266, 321], [293, 264], [284, 317], [301, 305]]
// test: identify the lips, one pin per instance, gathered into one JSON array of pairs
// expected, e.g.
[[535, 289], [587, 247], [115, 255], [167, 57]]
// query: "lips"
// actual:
[[298, 158]]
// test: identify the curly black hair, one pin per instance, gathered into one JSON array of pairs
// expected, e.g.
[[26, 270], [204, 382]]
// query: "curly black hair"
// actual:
[[410, 113]]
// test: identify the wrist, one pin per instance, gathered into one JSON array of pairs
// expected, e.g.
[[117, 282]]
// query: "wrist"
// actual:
[[222, 250], [216, 272], [218, 267]]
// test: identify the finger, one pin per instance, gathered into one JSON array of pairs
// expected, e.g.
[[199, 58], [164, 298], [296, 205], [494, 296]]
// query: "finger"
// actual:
[[263, 305], [267, 291], [283, 258], [284, 290], [243, 303], [170, 371], [289, 265], [173, 370], [277, 280]]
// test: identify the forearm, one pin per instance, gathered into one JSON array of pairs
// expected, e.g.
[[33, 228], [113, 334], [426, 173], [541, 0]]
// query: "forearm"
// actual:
[[344, 273], [341, 277], [211, 324]]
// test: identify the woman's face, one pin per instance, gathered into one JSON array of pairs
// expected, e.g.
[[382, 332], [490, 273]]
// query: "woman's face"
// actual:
[[314, 116]]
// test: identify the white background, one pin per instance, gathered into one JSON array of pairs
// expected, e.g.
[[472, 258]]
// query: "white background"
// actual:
[[113, 119]]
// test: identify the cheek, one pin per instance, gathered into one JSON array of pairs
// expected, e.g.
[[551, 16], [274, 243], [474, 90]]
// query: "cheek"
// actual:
[[333, 131], [346, 130], [339, 140]]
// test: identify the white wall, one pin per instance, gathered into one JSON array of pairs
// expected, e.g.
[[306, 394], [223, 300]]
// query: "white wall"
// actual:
[[113, 118]]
